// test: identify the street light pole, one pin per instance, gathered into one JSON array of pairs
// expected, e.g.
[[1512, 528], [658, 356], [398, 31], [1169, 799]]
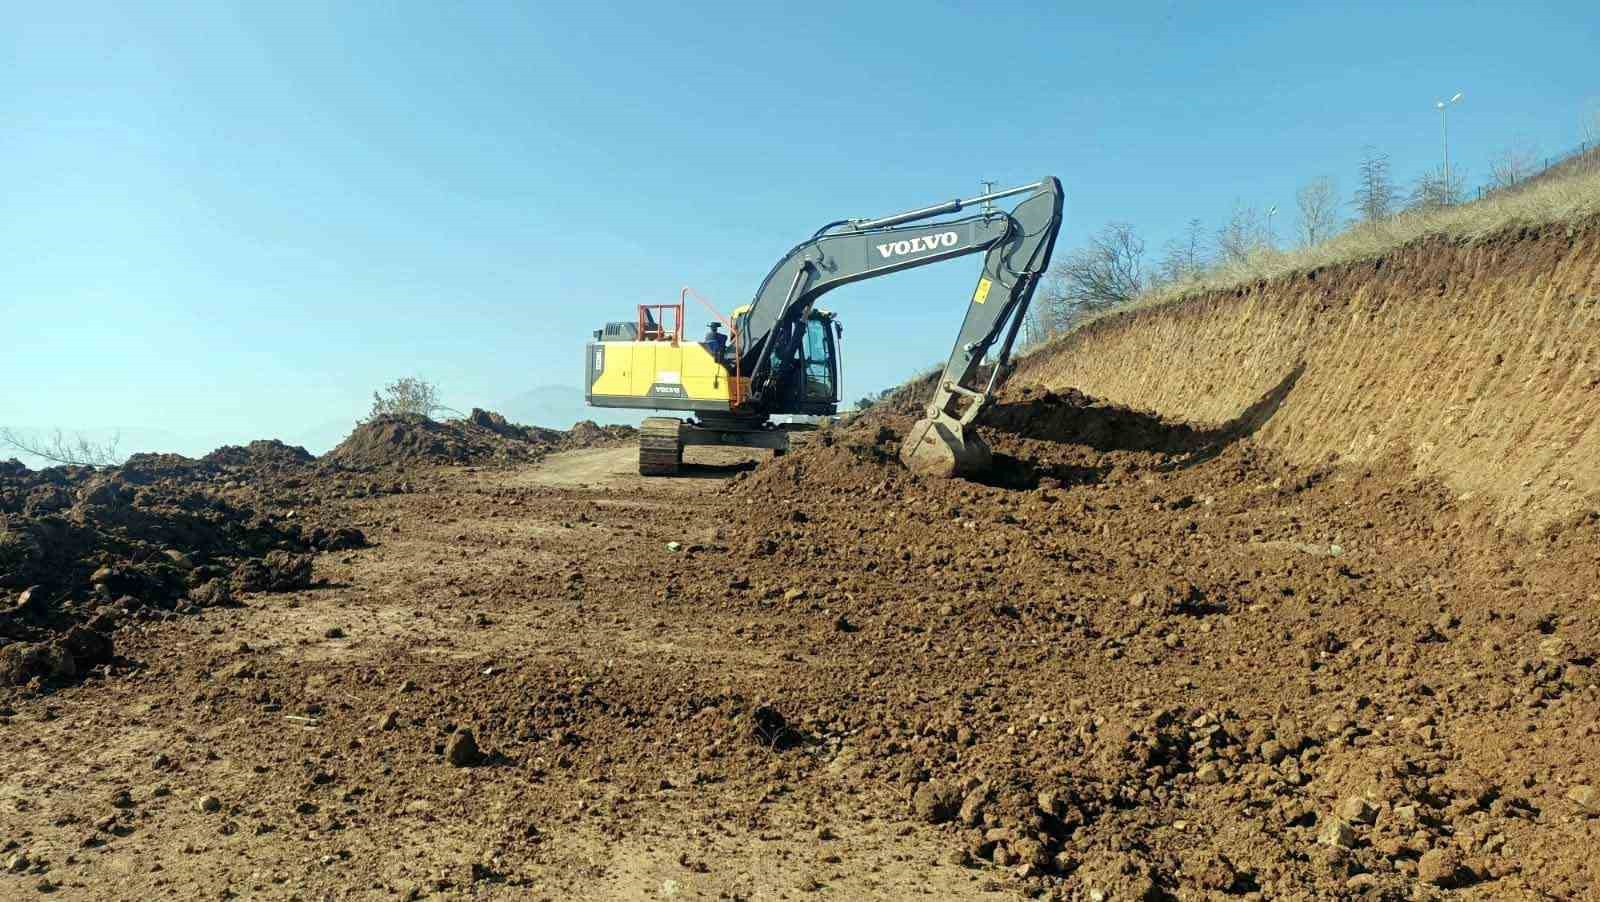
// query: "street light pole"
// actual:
[[1444, 131]]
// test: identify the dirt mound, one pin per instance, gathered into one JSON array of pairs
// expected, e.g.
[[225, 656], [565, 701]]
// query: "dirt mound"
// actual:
[[589, 434], [396, 441], [1472, 362], [499, 425], [1168, 625], [481, 437], [1038, 437], [261, 453], [86, 549]]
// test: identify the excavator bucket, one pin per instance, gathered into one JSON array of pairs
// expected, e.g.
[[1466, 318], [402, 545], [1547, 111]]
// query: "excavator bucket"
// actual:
[[939, 446]]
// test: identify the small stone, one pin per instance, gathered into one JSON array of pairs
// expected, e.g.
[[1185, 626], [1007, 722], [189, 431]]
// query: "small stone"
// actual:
[[462, 749], [1338, 834], [1361, 882], [1272, 751], [1357, 810], [1586, 797], [1445, 622], [794, 595], [1049, 801], [18, 863], [333, 632], [1553, 649], [1209, 774], [971, 813], [1031, 853], [210, 804], [30, 600], [388, 720], [674, 547], [933, 803], [1438, 867]]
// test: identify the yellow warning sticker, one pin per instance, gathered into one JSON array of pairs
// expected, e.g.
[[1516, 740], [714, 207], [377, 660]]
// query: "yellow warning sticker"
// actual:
[[982, 294]]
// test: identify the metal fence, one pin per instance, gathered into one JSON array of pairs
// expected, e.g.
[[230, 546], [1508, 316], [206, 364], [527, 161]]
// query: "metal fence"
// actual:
[[1584, 157]]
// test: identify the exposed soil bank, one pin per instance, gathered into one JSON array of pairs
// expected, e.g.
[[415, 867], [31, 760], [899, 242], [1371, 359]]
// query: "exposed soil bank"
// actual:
[[1478, 363]]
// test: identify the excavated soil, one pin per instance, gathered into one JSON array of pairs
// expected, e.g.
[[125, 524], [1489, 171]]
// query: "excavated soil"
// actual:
[[1156, 662], [1476, 363], [481, 437], [1148, 657]]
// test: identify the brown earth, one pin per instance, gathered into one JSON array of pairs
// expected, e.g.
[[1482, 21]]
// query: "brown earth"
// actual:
[[1146, 658], [1477, 364], [480, 437]]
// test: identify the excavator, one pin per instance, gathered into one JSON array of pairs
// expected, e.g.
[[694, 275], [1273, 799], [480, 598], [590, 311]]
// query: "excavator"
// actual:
[[781, 356]]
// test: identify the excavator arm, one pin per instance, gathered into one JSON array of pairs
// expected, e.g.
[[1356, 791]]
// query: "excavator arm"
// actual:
[[1018, 245]]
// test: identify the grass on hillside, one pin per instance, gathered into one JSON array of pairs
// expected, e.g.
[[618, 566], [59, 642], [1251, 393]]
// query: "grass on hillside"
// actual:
[[1567, 198]]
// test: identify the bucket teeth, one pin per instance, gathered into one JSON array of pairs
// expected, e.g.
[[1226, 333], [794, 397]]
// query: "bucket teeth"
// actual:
[[940, 448]]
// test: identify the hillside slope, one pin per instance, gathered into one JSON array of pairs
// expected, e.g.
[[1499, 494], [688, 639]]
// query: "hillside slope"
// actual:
[[1474, 362]]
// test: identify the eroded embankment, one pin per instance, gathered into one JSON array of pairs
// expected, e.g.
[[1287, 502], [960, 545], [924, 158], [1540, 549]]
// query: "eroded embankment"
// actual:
[[1479, 362]]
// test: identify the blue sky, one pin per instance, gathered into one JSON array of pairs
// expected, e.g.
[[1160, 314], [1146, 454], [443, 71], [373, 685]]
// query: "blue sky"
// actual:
[[220, 222]]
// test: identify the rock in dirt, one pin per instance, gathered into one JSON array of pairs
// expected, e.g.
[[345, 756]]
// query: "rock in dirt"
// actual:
[[87, 647], [213, 593], [209, 804], [279, 571], [935, 803], [337, 538], [1357, 810], [770, 728], [971, 812], [1439, 867], [462, 749], [21, 662], [1337, 833], [1586, 798]]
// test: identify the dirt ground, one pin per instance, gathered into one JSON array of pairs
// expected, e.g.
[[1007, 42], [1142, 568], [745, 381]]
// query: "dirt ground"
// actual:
[[1150, 662]]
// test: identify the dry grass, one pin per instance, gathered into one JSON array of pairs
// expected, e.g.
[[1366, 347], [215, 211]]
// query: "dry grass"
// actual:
[[1564, 199]]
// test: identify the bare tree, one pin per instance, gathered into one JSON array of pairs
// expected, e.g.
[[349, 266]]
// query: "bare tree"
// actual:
[[59, 448], [1318, 201], [1108, 272], [1511, 166], [411, 396], [1242, 236], [1376, 194], [1185, 256], [1433, 190]]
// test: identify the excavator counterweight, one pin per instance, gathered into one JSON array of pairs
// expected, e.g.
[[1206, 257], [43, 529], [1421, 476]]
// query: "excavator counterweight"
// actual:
[[781, 357]]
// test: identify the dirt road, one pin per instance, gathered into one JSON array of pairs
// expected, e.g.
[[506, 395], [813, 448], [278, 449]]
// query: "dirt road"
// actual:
[[312, 721], [1152, 667]]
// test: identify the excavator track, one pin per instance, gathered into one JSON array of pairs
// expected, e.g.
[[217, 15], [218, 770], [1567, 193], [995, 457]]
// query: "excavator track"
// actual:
[[660, 447]]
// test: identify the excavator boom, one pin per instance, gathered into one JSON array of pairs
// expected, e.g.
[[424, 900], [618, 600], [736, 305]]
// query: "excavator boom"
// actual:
[[1018, 245]]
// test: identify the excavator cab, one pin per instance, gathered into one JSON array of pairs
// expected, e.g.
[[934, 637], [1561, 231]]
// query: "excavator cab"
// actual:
[[809, 383]]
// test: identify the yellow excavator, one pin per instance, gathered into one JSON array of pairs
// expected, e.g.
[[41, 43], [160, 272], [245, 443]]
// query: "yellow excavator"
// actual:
[[781, 353]]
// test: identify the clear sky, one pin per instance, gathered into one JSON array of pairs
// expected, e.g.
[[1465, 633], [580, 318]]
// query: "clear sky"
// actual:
[[227, 221]]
